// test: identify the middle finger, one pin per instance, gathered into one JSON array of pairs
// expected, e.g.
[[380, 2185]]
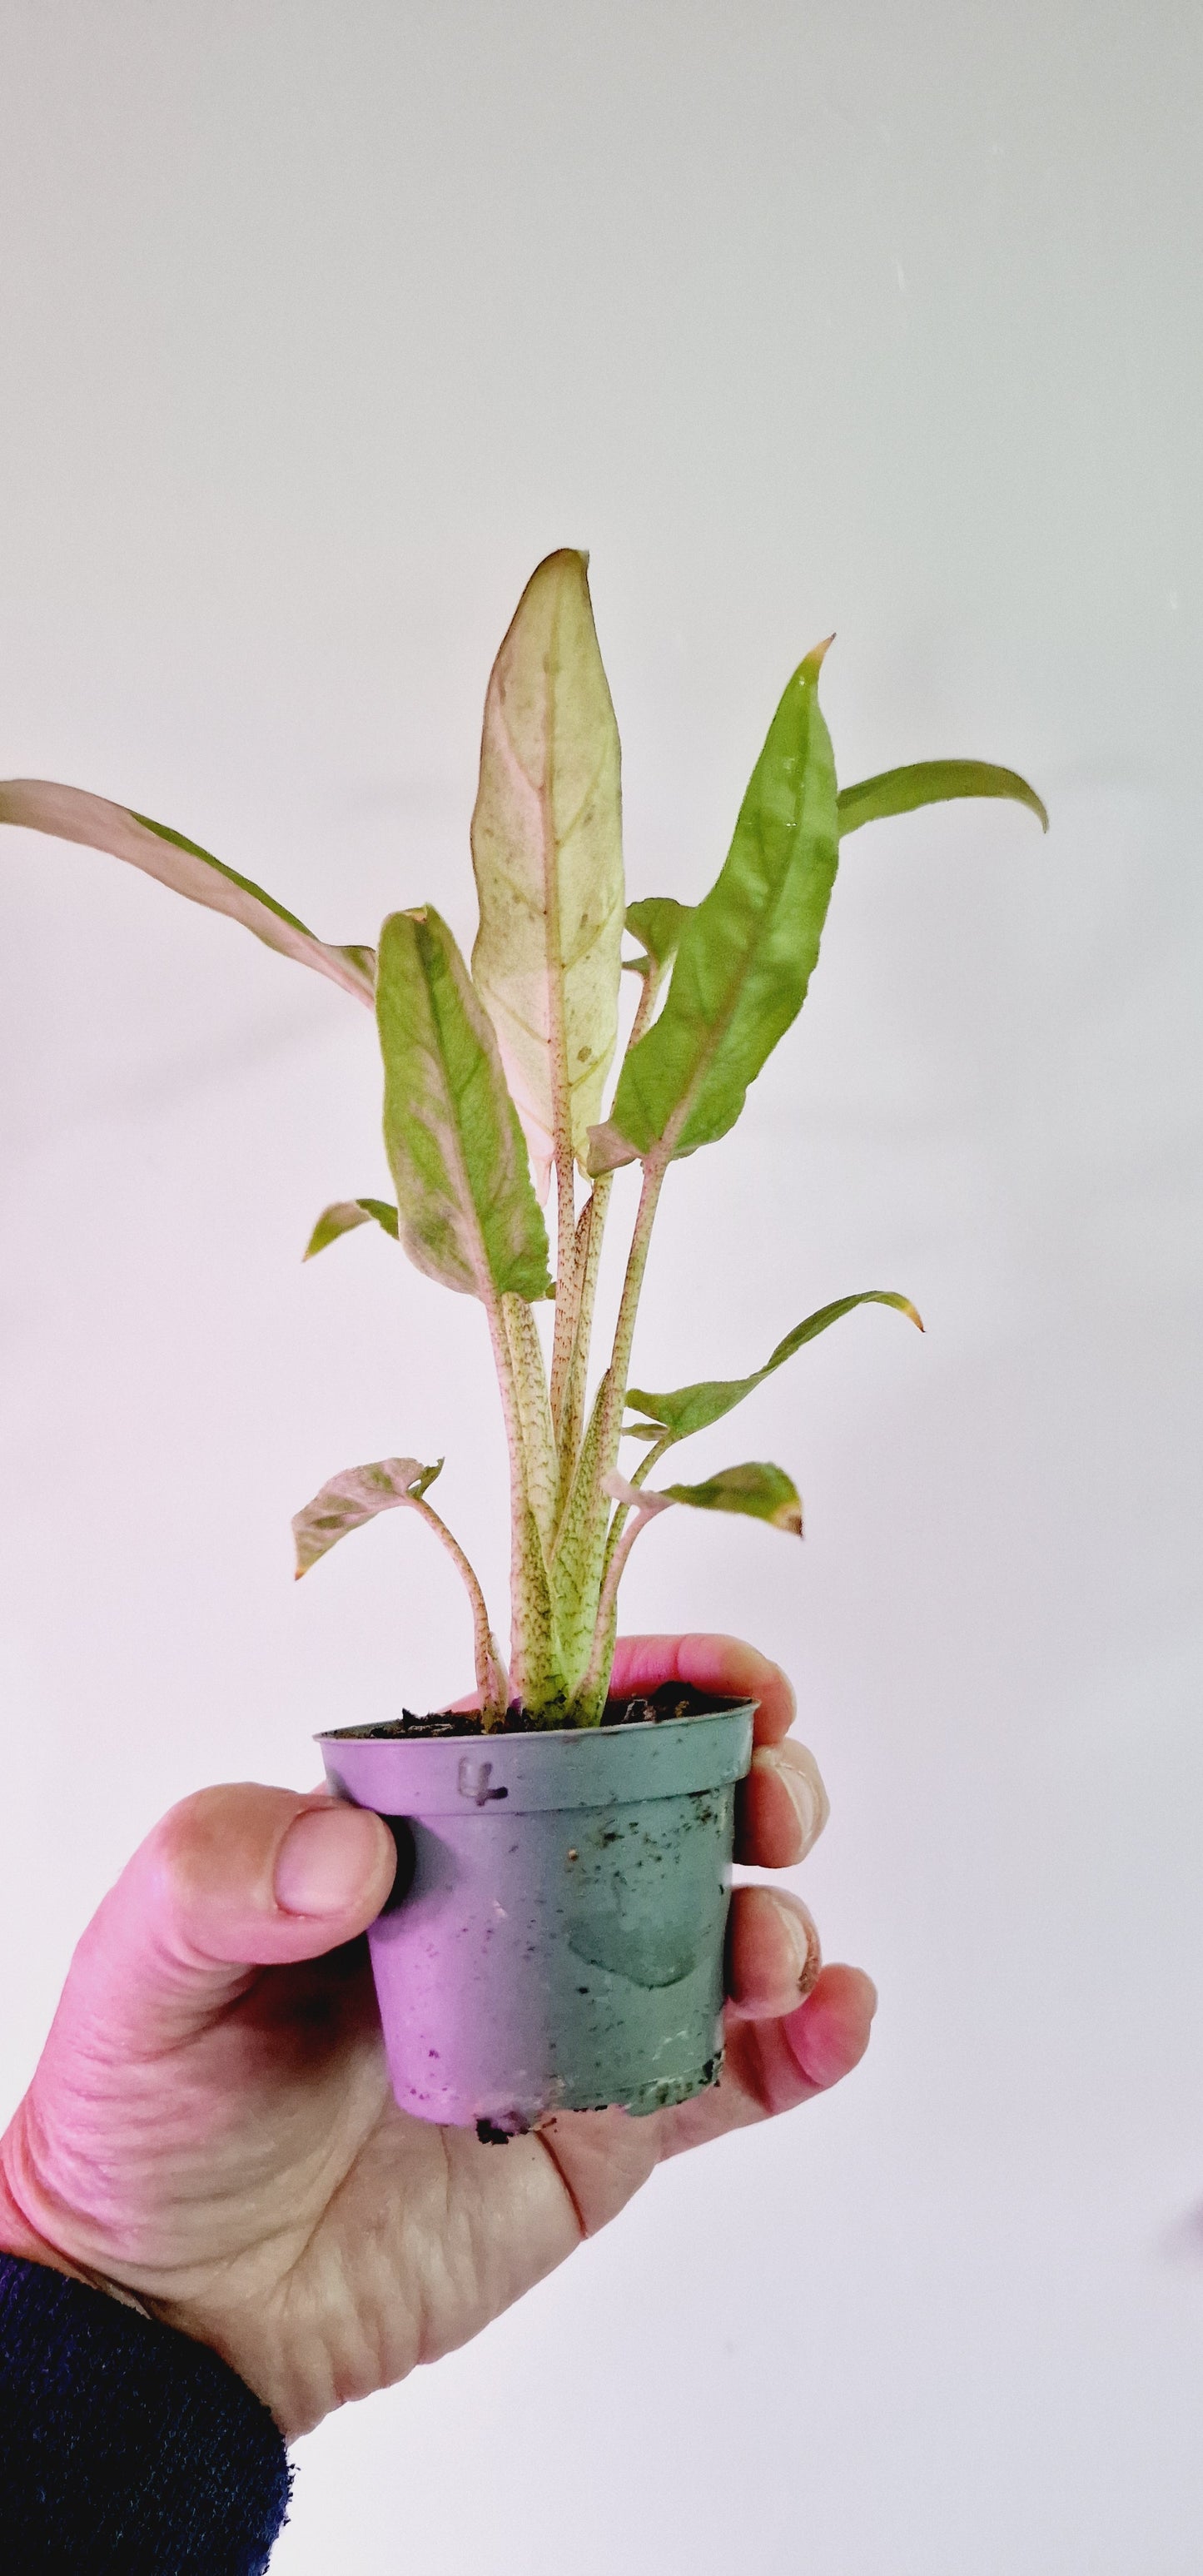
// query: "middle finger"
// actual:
[[781, 1808]]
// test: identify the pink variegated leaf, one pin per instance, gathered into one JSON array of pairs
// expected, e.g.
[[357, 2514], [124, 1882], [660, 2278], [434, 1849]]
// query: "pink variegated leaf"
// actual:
[[70, 814]]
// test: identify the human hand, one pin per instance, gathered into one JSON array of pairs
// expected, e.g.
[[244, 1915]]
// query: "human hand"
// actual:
[[211, 2127]]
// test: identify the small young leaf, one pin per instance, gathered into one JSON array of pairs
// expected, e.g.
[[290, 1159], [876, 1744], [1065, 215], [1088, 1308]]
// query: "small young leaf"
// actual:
[[37, 805], [343, 1215], [746, 954], [931, 782], [692, 1408], [547, 850], [355, 1497], [766, 1492], [658, 920], [466, 1206]]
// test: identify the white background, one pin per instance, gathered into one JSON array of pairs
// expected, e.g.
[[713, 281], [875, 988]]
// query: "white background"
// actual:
[[319, 324]]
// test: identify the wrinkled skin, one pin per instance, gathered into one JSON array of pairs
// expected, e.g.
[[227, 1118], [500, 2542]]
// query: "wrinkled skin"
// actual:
[[211, 2127]]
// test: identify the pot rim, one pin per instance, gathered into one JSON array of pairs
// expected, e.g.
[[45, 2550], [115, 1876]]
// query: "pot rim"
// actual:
[[504, 1776], [717, 1704]]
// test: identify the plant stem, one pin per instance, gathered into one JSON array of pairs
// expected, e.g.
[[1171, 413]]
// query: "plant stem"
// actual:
[[651, 983], [569, 1422], [540, 1465], [568, 1283], [654, 1170], [655, 1453], [599, 1202], [610, 1427], [520, 1517], [615, 1569], [655, 1165], [612, 1394], [640, 1477], [567, 1264], [570, 1359], [492, 1680], [640, 1238]]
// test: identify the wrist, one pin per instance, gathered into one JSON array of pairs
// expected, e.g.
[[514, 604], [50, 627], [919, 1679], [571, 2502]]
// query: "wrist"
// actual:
[[18, 2236]]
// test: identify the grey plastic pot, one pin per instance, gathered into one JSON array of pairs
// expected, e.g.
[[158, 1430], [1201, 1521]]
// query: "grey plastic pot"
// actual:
[[554, 1940]]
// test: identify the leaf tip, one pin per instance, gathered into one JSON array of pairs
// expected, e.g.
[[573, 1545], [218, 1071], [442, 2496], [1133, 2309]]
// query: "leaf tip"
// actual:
[[572, 560], [418, 1484], [320, 1237]]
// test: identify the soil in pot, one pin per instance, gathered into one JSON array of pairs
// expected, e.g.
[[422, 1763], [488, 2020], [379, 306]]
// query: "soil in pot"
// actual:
[[647, 1708]]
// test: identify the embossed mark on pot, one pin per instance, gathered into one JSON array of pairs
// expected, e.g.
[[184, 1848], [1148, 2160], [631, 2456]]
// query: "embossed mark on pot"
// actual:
[[473, 1782]]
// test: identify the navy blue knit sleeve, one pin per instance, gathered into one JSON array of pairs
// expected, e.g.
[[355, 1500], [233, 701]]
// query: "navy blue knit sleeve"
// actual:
[[125, 2446]]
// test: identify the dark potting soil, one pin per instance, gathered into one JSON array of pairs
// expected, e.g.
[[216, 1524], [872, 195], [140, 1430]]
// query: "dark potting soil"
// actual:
[[671, 1699]]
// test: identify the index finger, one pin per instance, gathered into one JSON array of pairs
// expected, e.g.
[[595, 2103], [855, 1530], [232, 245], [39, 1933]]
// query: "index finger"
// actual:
[[724, 1665]]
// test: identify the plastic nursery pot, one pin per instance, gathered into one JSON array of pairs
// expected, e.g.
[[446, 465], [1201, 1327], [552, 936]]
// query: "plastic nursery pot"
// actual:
[[554, 1940]]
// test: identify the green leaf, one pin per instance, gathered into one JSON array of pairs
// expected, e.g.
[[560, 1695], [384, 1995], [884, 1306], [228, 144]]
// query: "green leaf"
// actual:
[[931, 782], [764, 1491], [355, 1497], [692, 1408], [37, 805], [467, 1209], [547, 850], [658, 920], [746, 954], [343, 1215]]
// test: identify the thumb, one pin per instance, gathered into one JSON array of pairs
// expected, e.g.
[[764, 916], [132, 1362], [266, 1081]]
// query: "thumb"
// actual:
[[231, 1881]]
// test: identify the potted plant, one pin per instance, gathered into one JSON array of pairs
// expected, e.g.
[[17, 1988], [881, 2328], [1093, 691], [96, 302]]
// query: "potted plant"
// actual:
[[554, 1938]]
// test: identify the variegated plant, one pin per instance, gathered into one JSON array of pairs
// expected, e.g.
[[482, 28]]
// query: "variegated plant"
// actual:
[[494, 1079]]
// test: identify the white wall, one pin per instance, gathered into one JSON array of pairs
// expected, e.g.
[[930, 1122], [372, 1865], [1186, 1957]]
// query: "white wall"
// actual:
[[319, 323]]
